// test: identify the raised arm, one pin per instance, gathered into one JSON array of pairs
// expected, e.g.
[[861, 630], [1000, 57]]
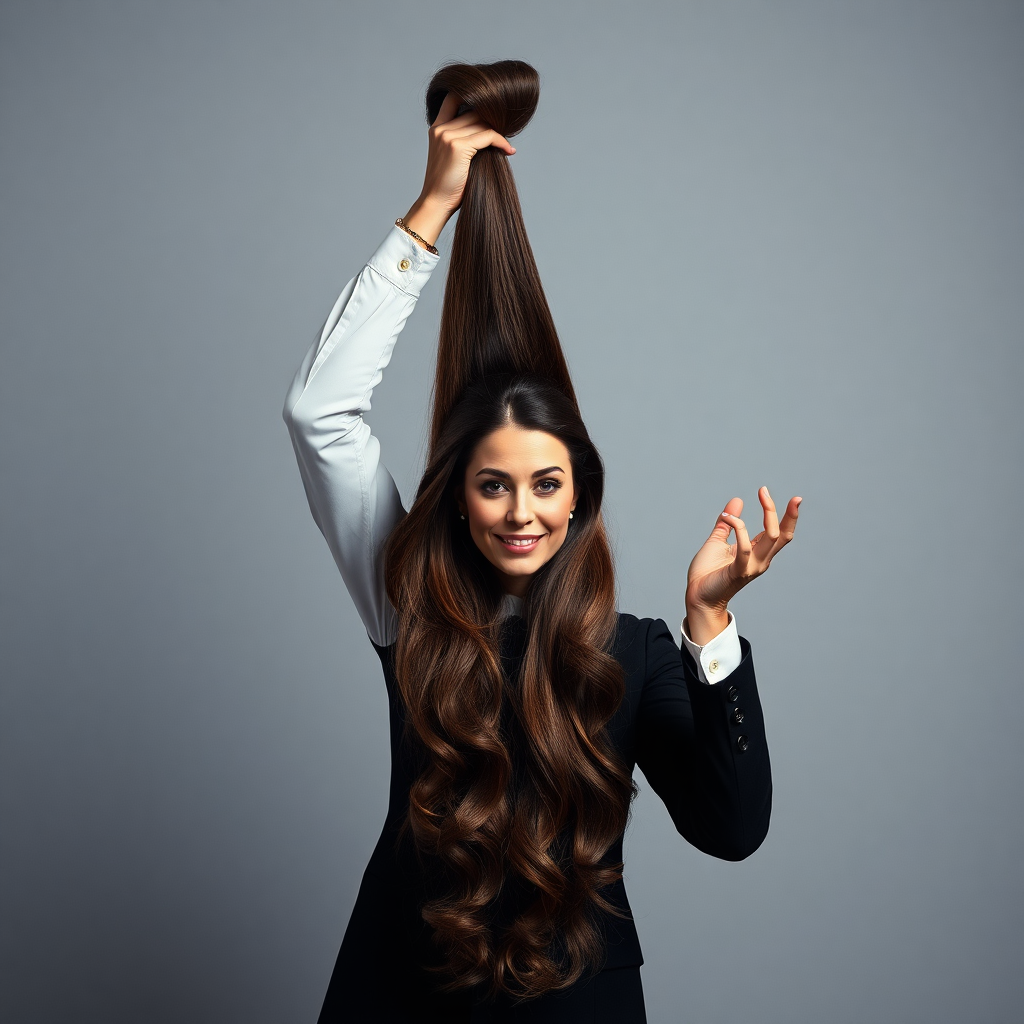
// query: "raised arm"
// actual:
[[351, 494], [703, 749]]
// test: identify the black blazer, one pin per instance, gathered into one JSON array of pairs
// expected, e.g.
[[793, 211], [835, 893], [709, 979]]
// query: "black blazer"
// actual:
[[702, 748]]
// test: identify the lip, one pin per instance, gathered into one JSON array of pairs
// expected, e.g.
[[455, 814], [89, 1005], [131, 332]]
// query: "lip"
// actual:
[[520, 549]]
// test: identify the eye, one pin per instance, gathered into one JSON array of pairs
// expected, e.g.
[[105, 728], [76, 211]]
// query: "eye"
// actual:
[[486, 487], [555, 484]]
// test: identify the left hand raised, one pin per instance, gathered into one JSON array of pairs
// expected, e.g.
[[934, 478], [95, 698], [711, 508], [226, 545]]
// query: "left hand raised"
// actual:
[[720, 569]]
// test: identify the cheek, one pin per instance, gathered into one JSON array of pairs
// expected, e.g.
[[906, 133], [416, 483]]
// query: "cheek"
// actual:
[[479, 509], [484, 516], [556, 518], [559, 514]]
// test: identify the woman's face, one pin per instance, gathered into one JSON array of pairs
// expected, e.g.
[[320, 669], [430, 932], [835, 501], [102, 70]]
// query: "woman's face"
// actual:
[[518, 487]]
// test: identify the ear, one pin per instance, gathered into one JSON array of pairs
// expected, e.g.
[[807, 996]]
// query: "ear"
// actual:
[[460, 499]]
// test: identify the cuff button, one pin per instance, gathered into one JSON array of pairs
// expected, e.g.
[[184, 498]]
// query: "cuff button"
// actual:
[[713, 666], [737, 715], [742, 743], [732, 693], [404, 265]]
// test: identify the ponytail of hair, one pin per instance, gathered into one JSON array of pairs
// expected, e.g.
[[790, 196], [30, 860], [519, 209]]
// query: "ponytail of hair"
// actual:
[[495, 317]]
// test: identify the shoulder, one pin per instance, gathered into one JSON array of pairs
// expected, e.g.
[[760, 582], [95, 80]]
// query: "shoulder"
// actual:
[[636, 638], [386, 652]]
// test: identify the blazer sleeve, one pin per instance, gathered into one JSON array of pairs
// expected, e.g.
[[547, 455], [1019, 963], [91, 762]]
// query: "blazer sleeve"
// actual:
[[351, 494], [703, 749]]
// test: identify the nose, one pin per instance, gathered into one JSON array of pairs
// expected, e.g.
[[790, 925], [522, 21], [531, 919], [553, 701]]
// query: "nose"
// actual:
[[520, 514]]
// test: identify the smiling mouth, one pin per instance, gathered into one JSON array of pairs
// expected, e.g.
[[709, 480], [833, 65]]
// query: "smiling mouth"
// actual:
[[520, 544]]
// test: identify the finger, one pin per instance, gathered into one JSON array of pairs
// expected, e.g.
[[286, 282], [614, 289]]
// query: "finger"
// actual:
[[489, 137], [458, 126], [771, 516], [449, 106], [788, 525], [765, 549], [743, 545], [461, 131], [723, 527]]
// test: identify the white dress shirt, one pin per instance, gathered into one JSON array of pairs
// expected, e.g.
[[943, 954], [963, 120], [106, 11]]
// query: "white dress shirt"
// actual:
[[353, 497]]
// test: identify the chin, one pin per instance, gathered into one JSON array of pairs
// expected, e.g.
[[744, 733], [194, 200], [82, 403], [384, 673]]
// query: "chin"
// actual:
[[519, 568]]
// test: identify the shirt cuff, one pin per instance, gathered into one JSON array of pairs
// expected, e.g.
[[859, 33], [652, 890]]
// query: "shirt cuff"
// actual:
[[401, 260], [719, 656]]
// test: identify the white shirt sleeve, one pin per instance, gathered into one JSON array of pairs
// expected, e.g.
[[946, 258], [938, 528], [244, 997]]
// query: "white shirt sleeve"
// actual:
[[719, 656], [353, 497]]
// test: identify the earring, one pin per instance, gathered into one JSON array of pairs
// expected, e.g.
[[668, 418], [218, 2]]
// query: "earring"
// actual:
[[461, 516], [570, 515]]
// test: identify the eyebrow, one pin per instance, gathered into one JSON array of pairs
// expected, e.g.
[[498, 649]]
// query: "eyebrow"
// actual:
[[508, 476]]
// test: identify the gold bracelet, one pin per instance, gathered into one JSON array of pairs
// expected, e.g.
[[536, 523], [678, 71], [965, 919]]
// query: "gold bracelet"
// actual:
[[409, 231]]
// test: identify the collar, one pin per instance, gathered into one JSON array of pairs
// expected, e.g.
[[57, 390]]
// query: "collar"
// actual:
[[511, 605]]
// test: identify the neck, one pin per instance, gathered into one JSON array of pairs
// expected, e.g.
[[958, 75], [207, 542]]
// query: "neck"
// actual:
[[517, 586]]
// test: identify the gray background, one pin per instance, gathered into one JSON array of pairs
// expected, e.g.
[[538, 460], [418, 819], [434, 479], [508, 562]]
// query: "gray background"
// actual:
[[783, 244]]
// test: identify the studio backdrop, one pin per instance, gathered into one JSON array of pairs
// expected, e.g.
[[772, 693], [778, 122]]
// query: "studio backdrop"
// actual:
[[783, 244]]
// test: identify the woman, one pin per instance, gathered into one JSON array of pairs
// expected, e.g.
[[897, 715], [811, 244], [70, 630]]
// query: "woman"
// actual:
[[520, 699]]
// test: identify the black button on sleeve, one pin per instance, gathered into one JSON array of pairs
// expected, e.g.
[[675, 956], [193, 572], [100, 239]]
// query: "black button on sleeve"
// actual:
[[737, 715], [732, 693], [742, 743]]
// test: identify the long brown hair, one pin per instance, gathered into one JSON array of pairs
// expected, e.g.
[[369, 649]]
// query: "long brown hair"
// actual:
[[547, 827]]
